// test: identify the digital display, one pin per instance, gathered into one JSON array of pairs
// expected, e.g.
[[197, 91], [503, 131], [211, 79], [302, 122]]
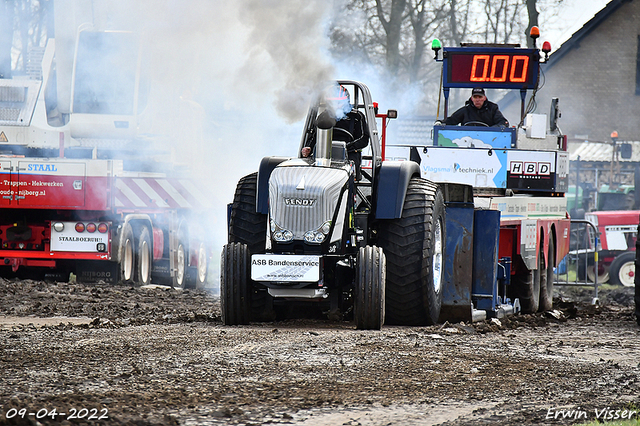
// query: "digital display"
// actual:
[[501, 68]]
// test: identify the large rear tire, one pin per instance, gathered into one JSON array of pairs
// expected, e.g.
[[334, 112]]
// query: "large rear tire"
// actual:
[[369, 309], [249, 227], [234, 284], [623, 269], [547, 278], [414, 250]]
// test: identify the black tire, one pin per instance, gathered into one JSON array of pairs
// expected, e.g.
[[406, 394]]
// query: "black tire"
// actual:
[[414, 257], [127, 255], [249, 227], [234, 284], [546, 280], [622, 270], [526, 287], [369, 309], [144, 258]]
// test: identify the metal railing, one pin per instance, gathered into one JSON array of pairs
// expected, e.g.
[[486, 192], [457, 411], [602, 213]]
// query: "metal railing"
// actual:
[[581, 267]]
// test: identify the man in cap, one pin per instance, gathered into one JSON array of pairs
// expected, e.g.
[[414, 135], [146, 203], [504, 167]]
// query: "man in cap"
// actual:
[[478, 110]]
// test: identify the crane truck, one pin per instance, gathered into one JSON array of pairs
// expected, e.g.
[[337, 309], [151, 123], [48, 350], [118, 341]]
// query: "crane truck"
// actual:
[[81, 190]]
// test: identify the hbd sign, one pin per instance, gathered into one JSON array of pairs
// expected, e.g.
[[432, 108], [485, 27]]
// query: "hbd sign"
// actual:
[[530, 168]]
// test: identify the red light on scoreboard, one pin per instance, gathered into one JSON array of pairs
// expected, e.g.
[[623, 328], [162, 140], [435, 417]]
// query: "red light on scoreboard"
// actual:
[[487, 69]]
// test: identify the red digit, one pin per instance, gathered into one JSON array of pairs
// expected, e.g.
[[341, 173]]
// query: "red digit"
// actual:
[[494, 68], [520, 65], [485, 68]]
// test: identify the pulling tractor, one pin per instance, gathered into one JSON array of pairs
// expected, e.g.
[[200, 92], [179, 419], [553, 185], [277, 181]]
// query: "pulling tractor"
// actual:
[[308, 230]]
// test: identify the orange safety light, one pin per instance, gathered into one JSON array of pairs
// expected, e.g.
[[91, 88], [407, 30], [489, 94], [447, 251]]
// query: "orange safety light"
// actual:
[[534, 32], [614, 134]]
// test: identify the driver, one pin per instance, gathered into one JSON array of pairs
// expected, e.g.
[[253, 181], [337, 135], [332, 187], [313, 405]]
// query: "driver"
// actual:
[[478, 109], [352, 123]]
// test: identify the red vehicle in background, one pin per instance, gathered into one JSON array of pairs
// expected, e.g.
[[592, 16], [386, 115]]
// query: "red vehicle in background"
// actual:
[[616, 254]]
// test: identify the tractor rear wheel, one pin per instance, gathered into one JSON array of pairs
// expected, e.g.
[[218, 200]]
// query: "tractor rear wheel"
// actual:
[[414, 248], [249, 227], [234, 284], [370, 283], [546, 280]]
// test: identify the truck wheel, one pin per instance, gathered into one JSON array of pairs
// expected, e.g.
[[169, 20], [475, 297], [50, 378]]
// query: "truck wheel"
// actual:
[[637, 284], [234, 284], [370, 282], [180, 278], [203, 265], [144, 258], [250, 227], [126, 255], [414, 250], [623, 269], [547, 278]]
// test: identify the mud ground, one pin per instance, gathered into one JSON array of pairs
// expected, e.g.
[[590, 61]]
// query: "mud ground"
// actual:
[[150, 356]]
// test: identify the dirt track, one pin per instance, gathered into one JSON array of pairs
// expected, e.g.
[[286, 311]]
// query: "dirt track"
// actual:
[[160, 356]]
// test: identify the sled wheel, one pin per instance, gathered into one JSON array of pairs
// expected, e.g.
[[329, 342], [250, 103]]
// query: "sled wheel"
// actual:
[[234, 284], [547, 278], [369, 297], [623, 269], [144, 258], [526, 287], [414, 250], [203, 265], [249, 227], [126, 254]]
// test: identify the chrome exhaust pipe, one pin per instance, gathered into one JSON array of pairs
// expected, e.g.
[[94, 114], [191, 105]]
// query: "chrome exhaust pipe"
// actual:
[[324, 138]]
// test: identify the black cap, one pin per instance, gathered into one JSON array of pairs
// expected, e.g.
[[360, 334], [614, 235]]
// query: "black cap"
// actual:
[[477, 91]]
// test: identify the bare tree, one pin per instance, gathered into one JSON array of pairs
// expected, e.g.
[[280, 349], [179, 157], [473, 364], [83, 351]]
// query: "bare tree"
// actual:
[[393, 35], [532, 11], [24, 25], [6, 37]]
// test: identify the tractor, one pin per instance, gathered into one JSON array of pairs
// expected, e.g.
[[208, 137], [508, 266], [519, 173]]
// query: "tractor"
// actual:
[[362, 239]]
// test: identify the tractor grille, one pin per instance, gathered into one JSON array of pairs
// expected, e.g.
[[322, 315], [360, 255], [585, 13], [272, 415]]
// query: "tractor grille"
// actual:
[[302, 210]]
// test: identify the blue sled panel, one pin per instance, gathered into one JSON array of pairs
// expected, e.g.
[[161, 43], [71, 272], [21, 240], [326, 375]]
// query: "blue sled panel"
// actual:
[[485, 259], [456, 286]]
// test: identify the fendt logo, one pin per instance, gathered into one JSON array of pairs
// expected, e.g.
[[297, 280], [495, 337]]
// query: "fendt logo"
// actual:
[[532, 168], [299, 202]]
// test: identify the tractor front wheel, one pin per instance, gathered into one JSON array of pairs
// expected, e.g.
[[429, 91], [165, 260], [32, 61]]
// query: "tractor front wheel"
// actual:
[[234, 284], [370, 289]]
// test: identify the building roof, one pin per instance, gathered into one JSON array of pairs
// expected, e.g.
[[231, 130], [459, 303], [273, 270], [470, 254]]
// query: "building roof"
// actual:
[[602, 151], [574, 41]]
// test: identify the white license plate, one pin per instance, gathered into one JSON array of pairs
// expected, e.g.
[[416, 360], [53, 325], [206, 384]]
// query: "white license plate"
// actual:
[[285, 268]]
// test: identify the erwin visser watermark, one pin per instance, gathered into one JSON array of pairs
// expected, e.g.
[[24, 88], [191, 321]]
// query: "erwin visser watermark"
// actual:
[[599, 414]]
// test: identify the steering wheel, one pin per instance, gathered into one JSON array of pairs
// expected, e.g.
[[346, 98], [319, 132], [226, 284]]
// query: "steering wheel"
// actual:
[[476, 123], [341, 134]]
